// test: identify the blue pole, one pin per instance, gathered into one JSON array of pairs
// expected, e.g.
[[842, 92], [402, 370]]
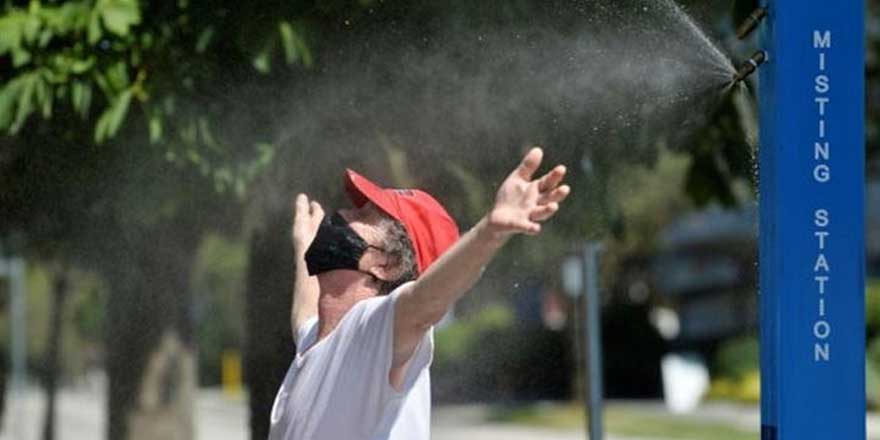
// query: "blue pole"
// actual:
[[812, 221]]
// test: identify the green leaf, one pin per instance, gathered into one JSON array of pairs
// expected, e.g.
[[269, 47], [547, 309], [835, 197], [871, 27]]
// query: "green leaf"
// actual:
[[119, 15], [69, 16], [8, 97], [204, 39], [287, 41], [31, 28], [155, 125], [43, 96], [81, 97], [109, 122], [95, 32], [76, 95], [295, 47], [117, 76], [265, 153], [304, 53], [261, 62], [20, 57], [45, 37], [79, 67], [11, 30], [25, 104]]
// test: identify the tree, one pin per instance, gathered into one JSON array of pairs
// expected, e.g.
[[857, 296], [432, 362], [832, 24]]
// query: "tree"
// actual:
[[120, 103]]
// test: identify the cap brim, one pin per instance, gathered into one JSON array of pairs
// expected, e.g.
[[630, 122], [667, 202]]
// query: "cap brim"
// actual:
[[361, 190]]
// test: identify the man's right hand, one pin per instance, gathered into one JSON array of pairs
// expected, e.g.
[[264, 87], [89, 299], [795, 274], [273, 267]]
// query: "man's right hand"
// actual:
[[307, 218]]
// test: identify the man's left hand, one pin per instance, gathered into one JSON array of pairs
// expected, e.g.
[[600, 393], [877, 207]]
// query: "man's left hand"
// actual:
[[523, 203]]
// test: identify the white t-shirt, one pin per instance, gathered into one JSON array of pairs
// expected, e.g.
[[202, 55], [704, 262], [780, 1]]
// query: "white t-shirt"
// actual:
[[338, 388]]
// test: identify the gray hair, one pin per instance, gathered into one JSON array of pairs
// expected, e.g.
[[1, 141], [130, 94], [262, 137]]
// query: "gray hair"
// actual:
[[398, 247]]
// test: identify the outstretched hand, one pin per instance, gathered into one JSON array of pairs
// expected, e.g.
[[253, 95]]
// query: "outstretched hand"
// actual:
[[307, 216], [523, 203]]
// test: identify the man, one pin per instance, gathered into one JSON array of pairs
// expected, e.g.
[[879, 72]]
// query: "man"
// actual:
[[362, 326]]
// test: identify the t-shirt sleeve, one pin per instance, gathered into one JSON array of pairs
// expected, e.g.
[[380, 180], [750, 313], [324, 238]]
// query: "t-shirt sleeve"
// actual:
[[306, 333], [372, 346]]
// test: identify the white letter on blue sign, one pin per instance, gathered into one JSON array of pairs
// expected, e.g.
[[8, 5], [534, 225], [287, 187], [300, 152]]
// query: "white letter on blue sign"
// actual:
[[821, 150], [822, 173], [821, 40], [822, 87], [822, 352], [821, 218]]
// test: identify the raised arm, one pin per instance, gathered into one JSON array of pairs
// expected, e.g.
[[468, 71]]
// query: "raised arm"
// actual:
[[307, 218], [521, 204]]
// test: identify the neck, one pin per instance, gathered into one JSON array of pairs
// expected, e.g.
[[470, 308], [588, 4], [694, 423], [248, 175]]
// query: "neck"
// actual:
[[340, 291]]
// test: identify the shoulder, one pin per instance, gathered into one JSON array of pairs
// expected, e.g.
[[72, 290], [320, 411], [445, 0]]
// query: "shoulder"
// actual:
[[380, 305], [306, 333]]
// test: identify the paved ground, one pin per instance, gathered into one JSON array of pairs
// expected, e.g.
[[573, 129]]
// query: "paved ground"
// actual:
[[469, 422], [82, 412]]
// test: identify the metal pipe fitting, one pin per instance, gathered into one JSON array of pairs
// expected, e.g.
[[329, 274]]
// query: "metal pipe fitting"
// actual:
[[751, 22], [750, 65]]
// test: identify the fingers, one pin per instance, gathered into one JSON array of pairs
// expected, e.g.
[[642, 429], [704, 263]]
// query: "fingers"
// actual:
[[300, 205], [550, 180], [303, 208], [555, 196], [530, 163], [528, 227], [504, 221], [316, 210], [533, 229], [543, 212]]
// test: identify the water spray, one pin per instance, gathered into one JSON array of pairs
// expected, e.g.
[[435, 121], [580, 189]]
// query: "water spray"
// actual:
[[750, 23], [750, 65]]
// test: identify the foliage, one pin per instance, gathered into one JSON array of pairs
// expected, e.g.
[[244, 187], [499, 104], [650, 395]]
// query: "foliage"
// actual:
[[745, 389], [872, 354], [872, 87], [109, 61], [736, 372], [457, 341], [217, 282], [81, 324], [491, 357], [872, 307], [737, 357], [646, 203]]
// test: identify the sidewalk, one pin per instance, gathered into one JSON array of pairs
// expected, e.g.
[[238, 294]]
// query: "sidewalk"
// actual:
[[82, 412]]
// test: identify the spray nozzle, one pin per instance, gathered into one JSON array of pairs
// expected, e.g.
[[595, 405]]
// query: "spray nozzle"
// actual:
[[750, 65], [751, 22]]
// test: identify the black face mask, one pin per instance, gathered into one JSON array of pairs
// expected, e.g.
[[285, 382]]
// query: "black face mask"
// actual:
[[336, 246]]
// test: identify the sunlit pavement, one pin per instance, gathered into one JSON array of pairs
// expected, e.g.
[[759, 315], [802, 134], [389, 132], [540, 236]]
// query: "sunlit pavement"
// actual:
[[81, 416], [469, 422]]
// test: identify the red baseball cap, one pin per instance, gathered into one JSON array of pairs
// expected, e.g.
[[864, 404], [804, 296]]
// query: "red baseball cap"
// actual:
[[430, 228]]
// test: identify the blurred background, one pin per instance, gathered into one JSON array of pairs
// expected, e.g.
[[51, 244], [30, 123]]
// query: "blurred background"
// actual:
[[150, 152]]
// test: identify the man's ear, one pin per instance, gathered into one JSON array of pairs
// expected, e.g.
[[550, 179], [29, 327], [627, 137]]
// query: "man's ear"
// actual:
[[386, 269]]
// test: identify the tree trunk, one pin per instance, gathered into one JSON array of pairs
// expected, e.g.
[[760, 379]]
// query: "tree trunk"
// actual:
[[60, 285], [269, 346], [151, 355]]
